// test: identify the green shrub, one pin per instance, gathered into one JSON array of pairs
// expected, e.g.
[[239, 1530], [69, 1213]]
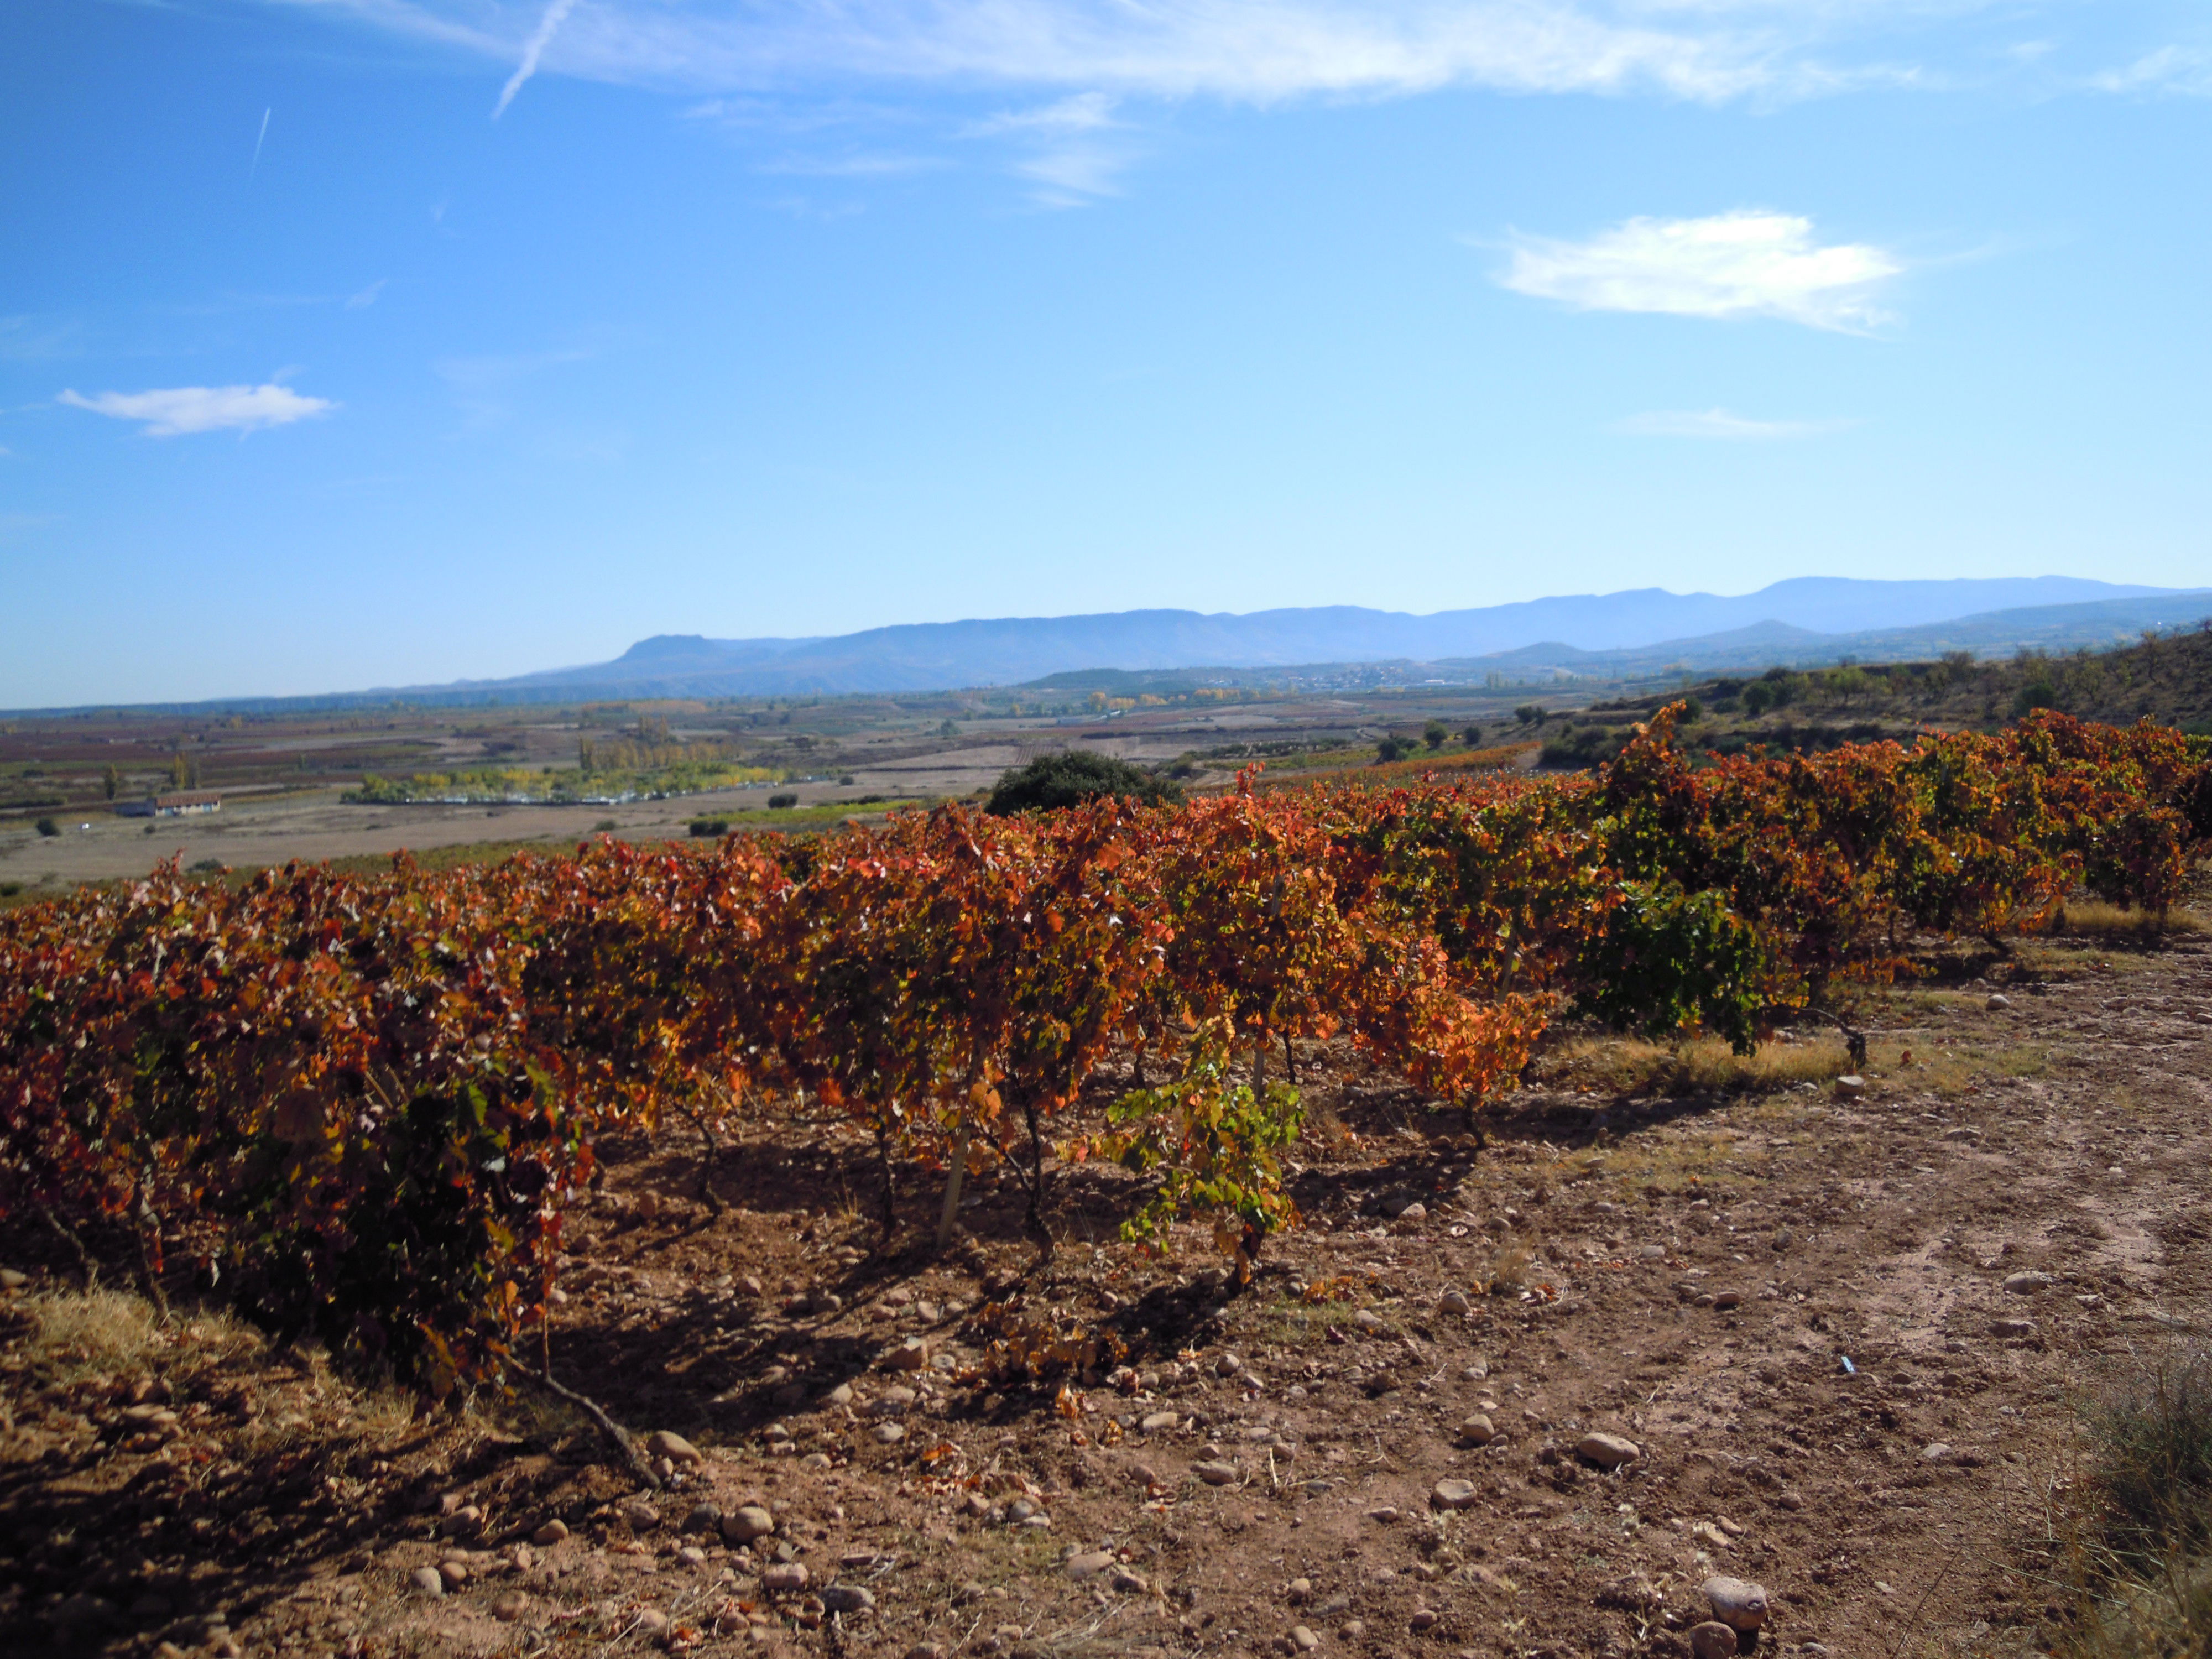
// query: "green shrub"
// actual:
[[1053, 781], [48, 827], [710, 828], [779, 801]]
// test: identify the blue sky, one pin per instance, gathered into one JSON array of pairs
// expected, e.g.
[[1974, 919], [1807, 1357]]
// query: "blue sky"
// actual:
[[347, 342]]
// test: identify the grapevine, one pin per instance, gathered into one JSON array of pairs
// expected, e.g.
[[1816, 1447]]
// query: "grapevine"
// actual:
[[365, 1101]]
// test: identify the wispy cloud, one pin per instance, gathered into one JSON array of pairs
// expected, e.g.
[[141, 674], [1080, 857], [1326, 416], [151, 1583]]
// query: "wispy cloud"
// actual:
[[1073, 175], [179, 412], [1719, 423], [1077, 148], [1745, 263], [31, 339], [1085, 111], [2169, 69], [1253, 50], [485, 388], [858, 165], [366, 297], [533, 50]]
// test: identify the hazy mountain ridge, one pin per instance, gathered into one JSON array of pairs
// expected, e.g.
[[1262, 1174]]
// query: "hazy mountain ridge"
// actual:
[[1792, 621], [1804, 621]]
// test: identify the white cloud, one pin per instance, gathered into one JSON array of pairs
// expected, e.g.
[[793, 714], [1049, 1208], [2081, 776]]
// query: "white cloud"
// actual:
[[1074, 174], [2169, 69], [1079, 148], [1745, 263], [1719, 423], [1086, 112], [366, 297], [177, 411], [1254, 50]]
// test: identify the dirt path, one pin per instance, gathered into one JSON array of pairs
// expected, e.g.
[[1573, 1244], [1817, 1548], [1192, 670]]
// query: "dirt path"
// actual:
[[1806, 1312]]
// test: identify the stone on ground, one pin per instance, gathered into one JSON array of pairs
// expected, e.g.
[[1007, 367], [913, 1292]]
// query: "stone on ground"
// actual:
[[1607, 1451], [1736, 1602]]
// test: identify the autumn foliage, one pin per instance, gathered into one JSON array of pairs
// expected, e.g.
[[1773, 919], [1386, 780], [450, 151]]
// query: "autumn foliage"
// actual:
[[360, 1103]]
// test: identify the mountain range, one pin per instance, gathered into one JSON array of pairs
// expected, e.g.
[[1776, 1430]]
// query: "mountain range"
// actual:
[[1804, 621], [1798, 622]]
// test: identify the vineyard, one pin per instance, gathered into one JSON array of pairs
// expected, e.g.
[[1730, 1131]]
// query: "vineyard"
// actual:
[[361, 1104]]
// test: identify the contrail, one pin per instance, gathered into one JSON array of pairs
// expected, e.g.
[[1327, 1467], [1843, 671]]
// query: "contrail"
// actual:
[[531, 53], [256, 168]]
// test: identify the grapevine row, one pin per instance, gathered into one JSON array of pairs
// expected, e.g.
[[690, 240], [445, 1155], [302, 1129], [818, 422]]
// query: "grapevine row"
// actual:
[[367, 1100]]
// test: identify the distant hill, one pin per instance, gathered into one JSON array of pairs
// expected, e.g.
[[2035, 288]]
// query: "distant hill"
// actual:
[[1766, 645], [1804, 622], [1801, 618]]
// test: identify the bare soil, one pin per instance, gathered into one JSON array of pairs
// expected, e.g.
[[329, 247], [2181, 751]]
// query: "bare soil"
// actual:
[[1792, 1301]]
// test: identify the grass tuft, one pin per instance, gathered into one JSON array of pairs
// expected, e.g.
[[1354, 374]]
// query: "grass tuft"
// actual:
[[2154, 1440], [2146, 1568], [84, 1332]]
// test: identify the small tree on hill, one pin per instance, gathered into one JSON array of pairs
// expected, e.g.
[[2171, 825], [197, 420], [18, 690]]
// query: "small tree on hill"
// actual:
[[1435, 734]]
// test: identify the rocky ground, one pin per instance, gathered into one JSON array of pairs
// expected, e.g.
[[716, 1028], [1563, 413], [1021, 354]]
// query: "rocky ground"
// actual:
[[1679, 1319]]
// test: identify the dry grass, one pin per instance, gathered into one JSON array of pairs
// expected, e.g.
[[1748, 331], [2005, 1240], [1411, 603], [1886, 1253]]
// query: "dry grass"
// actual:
[[2167, 1616], [2087, 958], [98, 1335], [1625, 1065], [1687, 1163], [2145, 1566], [2153, 1431], [1621, 1067], [2093, 919], [1917, 1000], [1508, 1268], [1952, 1069], [87, 1334]]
